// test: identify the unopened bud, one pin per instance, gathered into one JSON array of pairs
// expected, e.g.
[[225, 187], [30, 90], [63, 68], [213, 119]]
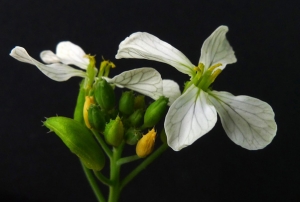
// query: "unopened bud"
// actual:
[[96, 118], [139, 102], [79, 140], [126, 104], [155, 112], [146, 144], [114, 132], [136, 118], [132, 136], [104, 94]]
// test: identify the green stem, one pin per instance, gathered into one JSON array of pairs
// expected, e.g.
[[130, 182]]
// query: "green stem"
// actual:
[[103, 144], [127, 159], [143, 165], [114, 189], [90, 177], [102, 178]]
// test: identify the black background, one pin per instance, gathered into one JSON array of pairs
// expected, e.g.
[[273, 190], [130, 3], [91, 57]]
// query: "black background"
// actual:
[[36, 166]]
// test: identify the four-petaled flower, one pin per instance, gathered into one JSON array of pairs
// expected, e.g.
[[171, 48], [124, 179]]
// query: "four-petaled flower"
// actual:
[[248, 122], [143, 80]]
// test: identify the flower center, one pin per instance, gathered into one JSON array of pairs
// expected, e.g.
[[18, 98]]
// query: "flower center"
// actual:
[[204, 78]]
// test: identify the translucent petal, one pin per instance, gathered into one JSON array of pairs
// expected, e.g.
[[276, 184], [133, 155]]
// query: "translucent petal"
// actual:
[[143, 80], [248, 122], [70, 53], [49, 57], [56, 71], [216, 49], [189, 117], [171, 90], [143, 45]]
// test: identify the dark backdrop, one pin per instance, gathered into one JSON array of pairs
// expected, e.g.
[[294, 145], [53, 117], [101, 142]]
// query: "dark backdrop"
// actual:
[[36, 166]]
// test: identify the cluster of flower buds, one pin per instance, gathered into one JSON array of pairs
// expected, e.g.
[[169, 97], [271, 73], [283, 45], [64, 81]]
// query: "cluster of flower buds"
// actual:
[[125, 121]]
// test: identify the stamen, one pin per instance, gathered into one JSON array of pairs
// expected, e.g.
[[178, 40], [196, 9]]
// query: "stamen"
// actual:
[[214, 75], [214, 67]]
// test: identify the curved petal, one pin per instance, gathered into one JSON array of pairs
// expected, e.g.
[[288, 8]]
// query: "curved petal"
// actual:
[[189, 117], [143, 45], [143, 80], [171, 90], [70, 53], [49, 57], [216, 49], [56, 71], [248, 122]]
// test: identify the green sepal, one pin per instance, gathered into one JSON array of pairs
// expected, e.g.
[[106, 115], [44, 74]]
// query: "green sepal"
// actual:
[[126, 103], [104, 94], [78, 113], [155, 112], [114, 132], [132, 136], [96, 118], [79, 140]]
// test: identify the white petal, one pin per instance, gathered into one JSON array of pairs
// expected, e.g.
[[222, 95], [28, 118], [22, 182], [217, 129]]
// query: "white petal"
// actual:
[[49, 57], [248, 122], [70, 53], [171, 90], [189, 117], [143, 45], [143, 80], [216, 49], [57, 71]]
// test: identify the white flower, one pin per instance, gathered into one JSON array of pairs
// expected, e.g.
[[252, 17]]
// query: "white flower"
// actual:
[[143, 80], [248, 122]]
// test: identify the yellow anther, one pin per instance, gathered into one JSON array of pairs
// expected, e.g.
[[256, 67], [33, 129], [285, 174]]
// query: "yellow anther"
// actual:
[[214, 75], [88, 101], [112, 64], [92, 59], [201, 67], [214, 67], [145, 145]]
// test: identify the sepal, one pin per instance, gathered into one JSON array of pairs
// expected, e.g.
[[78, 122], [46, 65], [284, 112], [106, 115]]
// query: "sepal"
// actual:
[[114, 132]]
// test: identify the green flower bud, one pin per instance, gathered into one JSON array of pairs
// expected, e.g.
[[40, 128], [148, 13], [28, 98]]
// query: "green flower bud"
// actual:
[[114, 132], [132, 136], [126, 104], [136, 119], [139, 102], [104, 94], [155, 112], [96, 118], [79, 140]]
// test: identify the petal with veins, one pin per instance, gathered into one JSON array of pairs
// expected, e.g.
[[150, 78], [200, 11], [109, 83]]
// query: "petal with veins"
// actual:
[[248, 122], [56, 71], [216, 49], [143, 80], [70, 53], [142, 45], [49, 57], [189, 117], [171, 90]]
